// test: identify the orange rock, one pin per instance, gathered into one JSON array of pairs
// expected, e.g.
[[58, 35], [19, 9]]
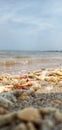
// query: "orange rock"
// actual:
[[29, 84], [19, 87]]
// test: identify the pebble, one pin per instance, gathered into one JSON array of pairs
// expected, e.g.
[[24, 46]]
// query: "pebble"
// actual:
[[58, 116], [24, 96], [31, 126], [8, 118], [47, 110], [36, 87], [56, 101], [21, 126], [10, 96], [60, 84], [29, 114], [5, 102], [30, 91], [31, 119]]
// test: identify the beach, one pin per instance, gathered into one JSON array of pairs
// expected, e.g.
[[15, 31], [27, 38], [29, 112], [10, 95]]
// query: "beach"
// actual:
[[20, 62], [30, 90]]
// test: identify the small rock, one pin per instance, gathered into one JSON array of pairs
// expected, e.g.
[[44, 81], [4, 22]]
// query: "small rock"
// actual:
[[23, 96], [8, 118], [56, 101], [30, 91], [60, 84], [47, 110], [21, 126], [59, 73], [47, 125], [36, 87], [5, 102], [10, 96], [58, 116], [53, 79], [31, 126], [29, 114]]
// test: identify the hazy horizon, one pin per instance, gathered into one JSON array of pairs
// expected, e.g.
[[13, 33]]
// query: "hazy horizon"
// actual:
[[31, 50], [31, 25]]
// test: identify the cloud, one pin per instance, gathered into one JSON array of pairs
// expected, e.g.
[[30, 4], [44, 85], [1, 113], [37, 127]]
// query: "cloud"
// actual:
[[29, 21], [32, 24]]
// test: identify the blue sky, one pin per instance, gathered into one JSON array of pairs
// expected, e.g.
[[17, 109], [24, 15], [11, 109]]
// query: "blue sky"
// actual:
[[30, 24]]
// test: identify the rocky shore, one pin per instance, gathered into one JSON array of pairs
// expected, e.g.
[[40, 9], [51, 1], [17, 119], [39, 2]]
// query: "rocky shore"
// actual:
[[32, 101]]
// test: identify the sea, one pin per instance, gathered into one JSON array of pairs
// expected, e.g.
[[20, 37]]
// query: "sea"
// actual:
[[21, 62]]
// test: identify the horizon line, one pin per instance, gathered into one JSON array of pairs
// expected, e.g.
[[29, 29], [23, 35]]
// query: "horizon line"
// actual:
[[32, 50]]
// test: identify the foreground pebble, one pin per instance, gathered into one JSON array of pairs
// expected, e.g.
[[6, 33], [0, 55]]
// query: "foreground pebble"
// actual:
[[5, 102], [29, 114], [32, 119]]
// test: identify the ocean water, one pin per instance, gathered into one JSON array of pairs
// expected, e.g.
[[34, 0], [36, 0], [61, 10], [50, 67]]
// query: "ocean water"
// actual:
[[20, 62]]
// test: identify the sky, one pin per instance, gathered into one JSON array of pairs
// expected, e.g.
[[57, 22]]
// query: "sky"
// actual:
[[31, 25]]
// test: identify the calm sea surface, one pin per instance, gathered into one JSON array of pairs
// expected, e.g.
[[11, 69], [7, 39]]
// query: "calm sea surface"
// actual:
[[19, 62]]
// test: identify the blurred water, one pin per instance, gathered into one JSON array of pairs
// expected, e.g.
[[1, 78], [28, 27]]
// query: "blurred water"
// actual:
[[17, 62]]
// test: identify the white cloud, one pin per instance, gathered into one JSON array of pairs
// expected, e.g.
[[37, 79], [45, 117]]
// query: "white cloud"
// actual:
[[36, 23]]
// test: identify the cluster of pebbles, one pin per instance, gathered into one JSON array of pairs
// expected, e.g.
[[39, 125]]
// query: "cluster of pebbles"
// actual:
[[32, 101], [32, 119], [49, 79]]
